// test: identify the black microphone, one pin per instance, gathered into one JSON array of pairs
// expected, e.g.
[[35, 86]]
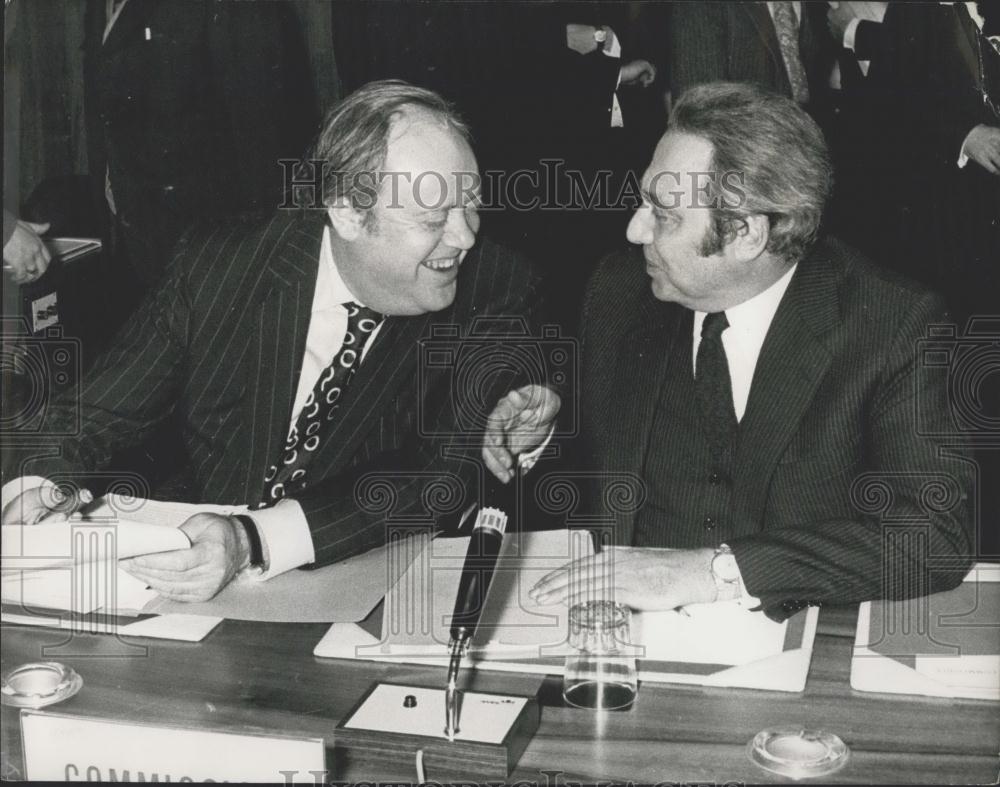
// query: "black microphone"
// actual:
[[477, 572]]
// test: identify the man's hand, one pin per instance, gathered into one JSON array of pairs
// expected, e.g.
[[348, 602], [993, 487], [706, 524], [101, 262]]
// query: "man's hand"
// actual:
[[46, 502], [638, 71], [638, 577], [518, 423], [838, 17], [580, 38], [219, 550], [25, 255], [983, 146]]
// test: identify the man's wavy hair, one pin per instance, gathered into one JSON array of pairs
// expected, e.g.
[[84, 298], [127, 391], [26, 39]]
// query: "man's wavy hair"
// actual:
[[774, 148], [355, 137]]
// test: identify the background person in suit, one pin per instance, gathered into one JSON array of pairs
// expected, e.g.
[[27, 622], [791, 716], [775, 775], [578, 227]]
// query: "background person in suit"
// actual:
[[188, 108], [783, 46], [289, 351], [921, 190], [762, 385]]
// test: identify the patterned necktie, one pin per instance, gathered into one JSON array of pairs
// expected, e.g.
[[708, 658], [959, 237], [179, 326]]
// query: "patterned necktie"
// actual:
[[712, 385], [787, 27], [320, 408]]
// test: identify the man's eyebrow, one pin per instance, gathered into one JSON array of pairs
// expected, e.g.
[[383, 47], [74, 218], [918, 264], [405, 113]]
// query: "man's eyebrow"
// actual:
[[656, 202]]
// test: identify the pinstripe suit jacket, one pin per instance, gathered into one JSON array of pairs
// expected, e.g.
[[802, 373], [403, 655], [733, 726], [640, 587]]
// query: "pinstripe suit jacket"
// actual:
[[221, 344], [736, 42], [843, 487]]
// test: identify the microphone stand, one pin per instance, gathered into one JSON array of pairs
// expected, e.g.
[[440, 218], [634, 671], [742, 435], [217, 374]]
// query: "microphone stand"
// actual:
[[451, 708], [477, 574]]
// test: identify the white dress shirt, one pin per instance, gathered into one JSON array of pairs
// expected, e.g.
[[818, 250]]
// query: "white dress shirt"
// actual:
[[748, 325]]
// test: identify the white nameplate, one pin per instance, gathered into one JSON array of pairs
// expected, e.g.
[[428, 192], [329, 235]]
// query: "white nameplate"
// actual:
[[72, 748]]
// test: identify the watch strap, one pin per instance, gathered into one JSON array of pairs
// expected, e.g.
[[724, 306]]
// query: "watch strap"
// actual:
[[253, 538]]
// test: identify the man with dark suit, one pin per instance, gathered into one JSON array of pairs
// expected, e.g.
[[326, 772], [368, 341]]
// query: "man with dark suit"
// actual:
[[929, 182], [189, 106], [783, 46], [765, 386], [290, 351]]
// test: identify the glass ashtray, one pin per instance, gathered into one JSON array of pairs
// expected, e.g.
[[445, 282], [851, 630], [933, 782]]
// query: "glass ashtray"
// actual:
[[39, 684], [798, 753]]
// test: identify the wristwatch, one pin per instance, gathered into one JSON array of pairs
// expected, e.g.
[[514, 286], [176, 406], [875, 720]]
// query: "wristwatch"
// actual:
[[600, 37], [726, 573]]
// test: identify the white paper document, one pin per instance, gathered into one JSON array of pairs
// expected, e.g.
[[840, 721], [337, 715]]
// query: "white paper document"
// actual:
[[716, 644], [943, 645], [72, 566]]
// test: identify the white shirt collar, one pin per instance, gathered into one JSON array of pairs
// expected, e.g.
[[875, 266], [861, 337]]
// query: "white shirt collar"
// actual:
[[331, 290], [749, 323], [753, 317]]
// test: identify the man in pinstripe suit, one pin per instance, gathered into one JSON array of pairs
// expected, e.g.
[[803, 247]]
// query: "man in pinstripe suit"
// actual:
[[785, 479], [238, 343]]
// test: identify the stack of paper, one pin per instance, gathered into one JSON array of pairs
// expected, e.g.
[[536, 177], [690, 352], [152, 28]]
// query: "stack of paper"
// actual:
[[73, 565]]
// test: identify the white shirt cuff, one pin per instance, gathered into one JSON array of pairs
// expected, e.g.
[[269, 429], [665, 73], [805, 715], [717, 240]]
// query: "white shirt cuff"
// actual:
[[612, 48], [743, 595], [851, 33], [745, 599], [285, 536], [529, 458], [18, 486], [963, 159]]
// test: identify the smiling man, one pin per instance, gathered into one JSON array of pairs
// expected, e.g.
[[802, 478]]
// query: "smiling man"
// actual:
[[765, 384], [287, 349]]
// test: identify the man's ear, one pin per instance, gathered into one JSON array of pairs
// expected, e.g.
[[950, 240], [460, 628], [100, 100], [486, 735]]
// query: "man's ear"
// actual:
[[348, 222], [752, 236]]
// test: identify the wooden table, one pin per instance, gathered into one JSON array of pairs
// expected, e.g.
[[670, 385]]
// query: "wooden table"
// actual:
[[262, 677]]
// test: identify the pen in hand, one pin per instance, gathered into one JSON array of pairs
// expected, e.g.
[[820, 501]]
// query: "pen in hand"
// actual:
[[70, 503]]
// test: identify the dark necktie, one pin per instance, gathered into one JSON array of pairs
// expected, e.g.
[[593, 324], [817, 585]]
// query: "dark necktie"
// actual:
[[712, 385], [312, 425], [786, 27]]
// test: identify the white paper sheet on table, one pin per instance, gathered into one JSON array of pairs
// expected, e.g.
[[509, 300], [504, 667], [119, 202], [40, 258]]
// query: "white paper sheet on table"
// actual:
[[715, 644], [344, 592], [185, 628], [943, 645]]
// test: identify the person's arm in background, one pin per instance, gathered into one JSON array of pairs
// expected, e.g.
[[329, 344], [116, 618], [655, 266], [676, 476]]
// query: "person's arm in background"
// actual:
[[25, 257], [966, 130]]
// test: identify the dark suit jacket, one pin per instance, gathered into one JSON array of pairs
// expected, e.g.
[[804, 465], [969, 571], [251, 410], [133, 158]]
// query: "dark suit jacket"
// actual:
[[220, 345], [189, 105], [837, 443], [736, 42]]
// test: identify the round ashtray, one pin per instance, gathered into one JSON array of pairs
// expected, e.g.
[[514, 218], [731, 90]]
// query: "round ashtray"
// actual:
[[798, 753], [39, 684]]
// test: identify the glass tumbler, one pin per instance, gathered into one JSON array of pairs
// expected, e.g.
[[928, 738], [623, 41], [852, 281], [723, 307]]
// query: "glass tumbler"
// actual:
[[601, 672]]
